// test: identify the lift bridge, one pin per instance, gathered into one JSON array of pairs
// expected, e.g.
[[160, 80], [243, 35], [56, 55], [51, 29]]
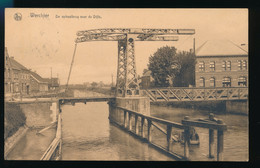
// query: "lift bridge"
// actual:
[[127, 82], [130, 109]]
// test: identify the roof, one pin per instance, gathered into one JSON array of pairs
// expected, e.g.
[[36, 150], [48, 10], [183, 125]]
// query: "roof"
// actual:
[[13, 63], [53, 81], [220, 48], [16, 65], [147, 73], [37, 77]]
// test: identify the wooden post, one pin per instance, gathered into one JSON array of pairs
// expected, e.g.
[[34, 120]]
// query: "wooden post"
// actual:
[[125, 124], [60, 154], [136, 125], [220, 145], [149, 130], [142, 126], [129, 121], [211, 143], [169, 137], [186, 142]]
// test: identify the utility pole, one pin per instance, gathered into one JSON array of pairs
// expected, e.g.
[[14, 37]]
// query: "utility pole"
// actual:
[[51, 78], [112, 81]]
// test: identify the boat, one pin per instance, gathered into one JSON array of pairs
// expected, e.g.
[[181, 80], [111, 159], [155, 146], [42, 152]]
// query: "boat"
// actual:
[[194, 137]]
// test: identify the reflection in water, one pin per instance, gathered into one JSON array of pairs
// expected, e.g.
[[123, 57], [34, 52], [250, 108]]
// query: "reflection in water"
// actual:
[[235, 138], [88, 135]]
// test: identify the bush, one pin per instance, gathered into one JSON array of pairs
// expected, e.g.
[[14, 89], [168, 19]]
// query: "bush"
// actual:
[[14, 119]]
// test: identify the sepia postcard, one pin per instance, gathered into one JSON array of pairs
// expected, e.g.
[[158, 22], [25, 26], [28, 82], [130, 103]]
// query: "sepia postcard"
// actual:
[[126, 84]]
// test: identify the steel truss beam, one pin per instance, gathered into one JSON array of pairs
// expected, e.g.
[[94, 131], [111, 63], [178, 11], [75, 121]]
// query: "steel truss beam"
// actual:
[[127, 82], [195, 94]]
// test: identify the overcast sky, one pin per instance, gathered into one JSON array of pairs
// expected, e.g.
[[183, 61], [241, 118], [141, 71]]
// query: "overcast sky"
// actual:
[[44, 42]]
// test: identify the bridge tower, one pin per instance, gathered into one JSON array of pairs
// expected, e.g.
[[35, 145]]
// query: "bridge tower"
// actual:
[[127, 81]]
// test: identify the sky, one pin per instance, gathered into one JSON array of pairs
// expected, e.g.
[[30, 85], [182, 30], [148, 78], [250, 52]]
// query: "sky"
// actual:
[[48, 41]]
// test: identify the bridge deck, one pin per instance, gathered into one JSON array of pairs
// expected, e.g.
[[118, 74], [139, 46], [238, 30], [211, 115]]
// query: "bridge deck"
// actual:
[[85, 99]]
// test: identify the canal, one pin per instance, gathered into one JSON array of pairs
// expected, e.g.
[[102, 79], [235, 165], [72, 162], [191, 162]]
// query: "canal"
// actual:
[[87, 134]]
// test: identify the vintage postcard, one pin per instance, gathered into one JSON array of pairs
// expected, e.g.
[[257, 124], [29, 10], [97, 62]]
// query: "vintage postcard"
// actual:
[[126, 84]]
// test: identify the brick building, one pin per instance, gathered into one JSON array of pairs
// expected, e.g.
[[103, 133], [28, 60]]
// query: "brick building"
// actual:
[[17, 77], [20, 80], [38, 84], [53, 83], [221, 64]]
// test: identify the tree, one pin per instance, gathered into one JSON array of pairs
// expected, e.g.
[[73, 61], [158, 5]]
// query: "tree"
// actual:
[[170, 68], [186, 76], [164, 66], [94, 84]]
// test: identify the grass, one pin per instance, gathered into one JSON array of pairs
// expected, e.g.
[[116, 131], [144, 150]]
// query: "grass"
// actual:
[[14, 119]]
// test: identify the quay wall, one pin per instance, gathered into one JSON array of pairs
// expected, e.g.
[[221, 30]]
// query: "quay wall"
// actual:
[[237, 107], [218, 106], [19, 117], [139, 104], [40, 114]]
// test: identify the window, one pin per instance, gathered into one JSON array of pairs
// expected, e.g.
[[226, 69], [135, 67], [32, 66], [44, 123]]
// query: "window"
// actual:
[[201, 66], [202, 82], [228, 63], [212, 65], [224, 65], [16, 75], [226, 82], [242, 81], [239, 64], [244, 65], [212, 82], [9, 73], [16, 87]]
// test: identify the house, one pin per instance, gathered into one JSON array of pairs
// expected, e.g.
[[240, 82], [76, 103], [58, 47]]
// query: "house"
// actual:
[[221, 64], [17, 77], [146, 80], [37, 83], [53, 83]]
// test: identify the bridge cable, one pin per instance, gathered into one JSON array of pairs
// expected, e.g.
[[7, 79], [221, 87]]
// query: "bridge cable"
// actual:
[[72, 61], [184, 41]]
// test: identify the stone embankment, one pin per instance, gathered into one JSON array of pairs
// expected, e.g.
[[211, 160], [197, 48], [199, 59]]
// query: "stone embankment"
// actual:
[[10, 142]]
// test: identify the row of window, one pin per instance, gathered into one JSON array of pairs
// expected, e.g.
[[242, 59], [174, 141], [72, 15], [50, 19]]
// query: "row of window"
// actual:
[[226, 82], [23, 76], [226, 65]]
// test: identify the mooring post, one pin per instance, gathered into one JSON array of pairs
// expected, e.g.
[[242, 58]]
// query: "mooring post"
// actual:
[[129, 121], [60, 154], [211, 137], [220, 142], [142, 126], [136, 125], [186, 139], [211, 143], [149, 130], [169, 137], [125, 124]]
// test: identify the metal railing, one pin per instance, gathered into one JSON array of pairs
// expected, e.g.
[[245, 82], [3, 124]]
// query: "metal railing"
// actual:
[[53, 152], [143, 125], [195, 94]]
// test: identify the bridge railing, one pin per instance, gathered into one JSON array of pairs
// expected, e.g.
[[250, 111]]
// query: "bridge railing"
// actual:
[[142, 125], [53, 152], [172, 143], [195, 94]]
